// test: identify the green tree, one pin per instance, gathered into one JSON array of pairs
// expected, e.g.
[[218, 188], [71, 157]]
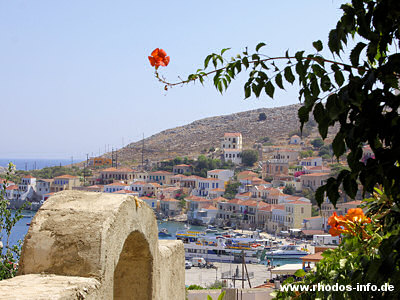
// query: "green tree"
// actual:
[[231, 190], [317, 143], [249, 157], [289, 190], [262, 117], [9, 254], [306, 153]]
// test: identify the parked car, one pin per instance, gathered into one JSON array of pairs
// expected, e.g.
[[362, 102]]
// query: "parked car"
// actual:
[[198, 261], [188, 264]]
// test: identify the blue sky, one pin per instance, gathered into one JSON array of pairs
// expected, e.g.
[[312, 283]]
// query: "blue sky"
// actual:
[[74, 75]]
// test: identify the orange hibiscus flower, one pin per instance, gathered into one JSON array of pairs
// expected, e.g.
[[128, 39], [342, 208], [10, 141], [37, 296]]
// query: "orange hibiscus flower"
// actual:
[[159, 58], [356, 215], [338, 224]]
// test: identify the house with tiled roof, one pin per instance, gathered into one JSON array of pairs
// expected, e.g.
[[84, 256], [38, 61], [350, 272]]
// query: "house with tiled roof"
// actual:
[[205, 185], [115, 187], [109, 175], [182, 169], [246, 174], [64, 182], [161, 177], [169, 207], [314, 180], [222, 174], [43, 186], [215, 193], [311, 162], [152, 202]]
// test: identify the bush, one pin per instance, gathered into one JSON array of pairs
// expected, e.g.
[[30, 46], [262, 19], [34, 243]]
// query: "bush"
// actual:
[[262, 117], [249, 157]]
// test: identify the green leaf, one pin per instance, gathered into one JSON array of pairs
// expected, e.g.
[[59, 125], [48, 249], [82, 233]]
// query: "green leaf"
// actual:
[[338, 145], [289, 75], [355, 53], [278, 81], [258, 47], [207, 60], [303, 114], [319, 194], [350, 186], [209, 297], [339, 78], [223, 50], [247, 91], [221, 296], [269, 89], [300, 273], [325, 83], [318, 70], [318, 45], [245, 62], [299, 55]]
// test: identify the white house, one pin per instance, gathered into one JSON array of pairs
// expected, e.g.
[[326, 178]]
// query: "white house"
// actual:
[[295, 140], [205, 185], [221, 174], [233, 155], [232, 140], [116, 186], [311, 162]]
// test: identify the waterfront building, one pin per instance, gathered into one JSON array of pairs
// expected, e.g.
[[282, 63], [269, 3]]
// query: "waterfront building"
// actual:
[[64, 182]]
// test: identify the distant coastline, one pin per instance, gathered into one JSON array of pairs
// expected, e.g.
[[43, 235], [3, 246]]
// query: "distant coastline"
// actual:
[[35, 163]]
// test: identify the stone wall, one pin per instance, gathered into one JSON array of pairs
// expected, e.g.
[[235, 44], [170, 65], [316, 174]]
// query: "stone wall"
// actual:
[[84, 245]]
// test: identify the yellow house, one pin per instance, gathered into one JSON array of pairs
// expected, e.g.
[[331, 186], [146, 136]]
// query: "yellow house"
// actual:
[[64, 182]]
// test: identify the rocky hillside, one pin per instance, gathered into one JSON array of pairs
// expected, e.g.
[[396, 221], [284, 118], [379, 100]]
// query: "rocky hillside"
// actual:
[[190, 140]]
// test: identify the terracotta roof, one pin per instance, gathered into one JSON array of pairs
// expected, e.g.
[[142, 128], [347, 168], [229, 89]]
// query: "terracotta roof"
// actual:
[[249, 203], [147, 198], [155, 184], [315, 174], [28, 176], [299, 202], [65, 177], [235, 201], [312, 257], [182, 165], [220, 199], [138, 183], [216, 171], [161, 172], [178, 176], [354, 202], [196, 198], [169, 200], [278, 206], [209, 207], [120, 170], [218, 190], [232, 134], [117, 184], [12, 187], [248, 173]]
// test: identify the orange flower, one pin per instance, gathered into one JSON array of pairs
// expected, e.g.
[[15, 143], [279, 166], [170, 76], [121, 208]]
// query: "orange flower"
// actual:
[[159, 58], [338, 225], [356, 215]]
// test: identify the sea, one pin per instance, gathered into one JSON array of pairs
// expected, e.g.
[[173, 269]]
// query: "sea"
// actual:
[[27, 164], [21, 228]]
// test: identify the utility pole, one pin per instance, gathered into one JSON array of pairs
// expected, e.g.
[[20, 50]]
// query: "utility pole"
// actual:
[[26, 166], [72, 161], [112, 157], [143, 152]]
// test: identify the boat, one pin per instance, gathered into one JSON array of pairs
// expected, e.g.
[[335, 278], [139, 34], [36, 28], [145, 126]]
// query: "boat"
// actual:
[[288, 251], [164, 232], [219, 248], [211, 229]]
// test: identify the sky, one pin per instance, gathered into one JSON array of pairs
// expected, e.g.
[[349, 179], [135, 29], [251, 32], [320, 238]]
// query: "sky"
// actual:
[[75, 77]]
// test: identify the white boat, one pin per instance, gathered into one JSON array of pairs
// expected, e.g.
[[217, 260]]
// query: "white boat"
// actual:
[[220, 249], [211, 229], [287, 251]]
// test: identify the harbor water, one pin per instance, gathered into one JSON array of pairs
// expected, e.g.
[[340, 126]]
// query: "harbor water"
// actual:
[[21, 228]]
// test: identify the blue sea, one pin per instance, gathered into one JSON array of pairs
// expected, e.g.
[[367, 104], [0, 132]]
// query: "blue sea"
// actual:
[[21, 228], [27, 164]]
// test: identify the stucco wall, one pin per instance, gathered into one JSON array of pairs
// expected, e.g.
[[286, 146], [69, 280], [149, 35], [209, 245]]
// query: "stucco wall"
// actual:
[[110, 238]]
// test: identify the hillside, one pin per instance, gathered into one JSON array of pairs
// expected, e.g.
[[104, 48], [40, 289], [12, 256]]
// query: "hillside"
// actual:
[[191, 139]]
